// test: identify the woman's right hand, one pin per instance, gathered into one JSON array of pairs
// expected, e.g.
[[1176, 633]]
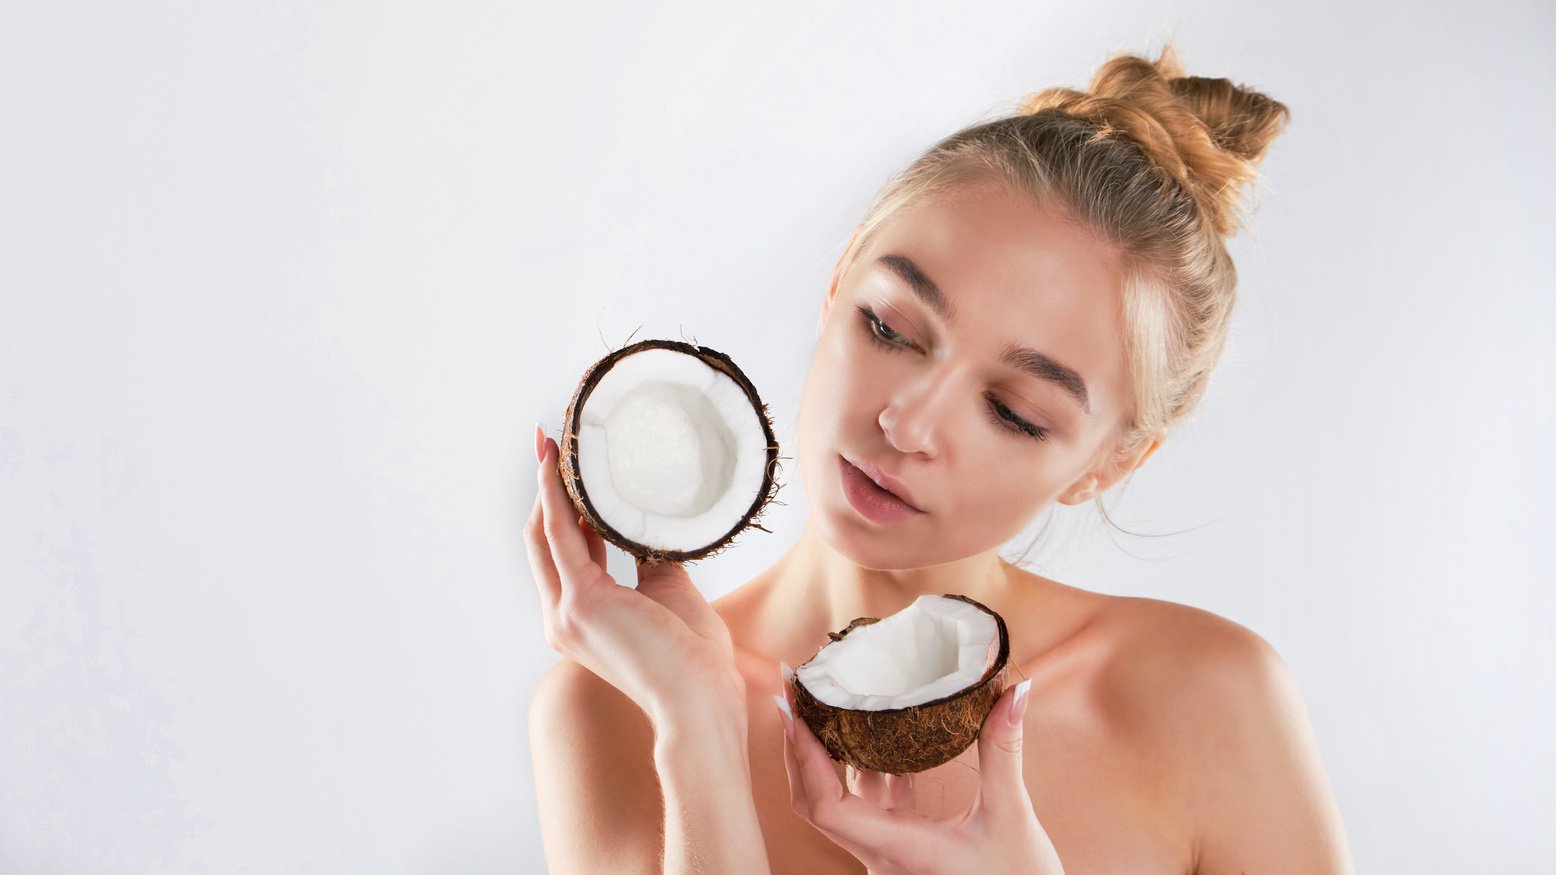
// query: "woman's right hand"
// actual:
[[661, 644]]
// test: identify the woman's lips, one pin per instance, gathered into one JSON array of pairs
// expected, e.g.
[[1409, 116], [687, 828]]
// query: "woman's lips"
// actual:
[[883, 480], [870, 500]]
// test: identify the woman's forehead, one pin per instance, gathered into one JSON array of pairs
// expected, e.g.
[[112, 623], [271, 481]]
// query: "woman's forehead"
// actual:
[[954, 252]]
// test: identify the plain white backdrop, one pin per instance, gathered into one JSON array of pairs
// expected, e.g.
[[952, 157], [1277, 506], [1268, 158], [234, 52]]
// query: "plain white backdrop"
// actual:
[[285, 290]]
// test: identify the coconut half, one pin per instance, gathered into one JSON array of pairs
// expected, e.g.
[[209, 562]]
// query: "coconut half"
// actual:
[[908, 692], [667, 451]]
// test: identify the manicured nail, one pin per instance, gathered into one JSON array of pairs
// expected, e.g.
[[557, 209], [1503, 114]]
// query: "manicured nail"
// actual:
[[1018, 702], [540, 442], [788, 673], [788, 717], [547, 469]]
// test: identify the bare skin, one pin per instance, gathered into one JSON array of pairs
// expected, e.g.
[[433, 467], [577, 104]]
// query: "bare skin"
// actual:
[[1131, 699], [1161, 738], [1139, 709]]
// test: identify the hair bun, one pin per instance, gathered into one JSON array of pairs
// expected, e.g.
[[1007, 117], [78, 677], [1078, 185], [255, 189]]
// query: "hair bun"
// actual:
[[1208, 134]]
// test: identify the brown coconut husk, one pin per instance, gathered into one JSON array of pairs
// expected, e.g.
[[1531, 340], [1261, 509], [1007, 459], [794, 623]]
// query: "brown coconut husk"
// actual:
[[900, 741], [568, 446]]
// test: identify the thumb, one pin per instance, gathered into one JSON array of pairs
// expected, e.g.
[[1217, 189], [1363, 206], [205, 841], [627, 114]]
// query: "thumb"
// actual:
[[1003, 787], [670, 585], [665, 575]]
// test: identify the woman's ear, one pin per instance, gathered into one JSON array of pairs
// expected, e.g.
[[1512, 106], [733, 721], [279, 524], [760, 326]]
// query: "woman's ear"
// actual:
[[1083, 489], [1094, 483]]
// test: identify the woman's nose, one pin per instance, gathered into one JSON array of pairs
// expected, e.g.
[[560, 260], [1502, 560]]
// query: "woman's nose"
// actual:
[[915, 420]]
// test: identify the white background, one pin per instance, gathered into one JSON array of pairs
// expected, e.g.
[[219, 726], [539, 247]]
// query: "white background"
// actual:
[[285, 291]]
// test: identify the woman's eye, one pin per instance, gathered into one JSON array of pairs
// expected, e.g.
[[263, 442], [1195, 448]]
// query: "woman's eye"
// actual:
[[1002, 416], [880, 332]]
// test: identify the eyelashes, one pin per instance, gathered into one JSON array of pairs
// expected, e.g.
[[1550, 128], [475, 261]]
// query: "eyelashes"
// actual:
[[883, 336], [880, 331]]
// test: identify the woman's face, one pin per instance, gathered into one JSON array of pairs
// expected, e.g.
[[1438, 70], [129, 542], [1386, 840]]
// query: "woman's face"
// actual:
[[931, 399]]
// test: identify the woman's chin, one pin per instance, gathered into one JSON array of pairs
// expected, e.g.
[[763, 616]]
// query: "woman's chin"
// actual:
[[869, 546]]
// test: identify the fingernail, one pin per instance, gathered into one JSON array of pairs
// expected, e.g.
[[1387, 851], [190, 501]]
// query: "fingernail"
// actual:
[[1018, 702], [788, 718], [788, 673], [540, 442]]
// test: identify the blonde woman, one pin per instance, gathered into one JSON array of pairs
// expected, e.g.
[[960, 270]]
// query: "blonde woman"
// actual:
[[1020, 319]]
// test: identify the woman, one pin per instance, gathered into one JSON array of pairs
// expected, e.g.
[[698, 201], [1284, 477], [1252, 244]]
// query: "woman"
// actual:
[[1019, 319]]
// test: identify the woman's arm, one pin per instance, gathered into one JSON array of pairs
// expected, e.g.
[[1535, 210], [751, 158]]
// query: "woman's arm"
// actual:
[[1262, 797], [661, 649], [596, 790], [615, 796], [710, 810]]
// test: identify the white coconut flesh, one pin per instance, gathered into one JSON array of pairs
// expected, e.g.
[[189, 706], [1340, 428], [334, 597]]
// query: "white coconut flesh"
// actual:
[[671, 451], [931, 649]]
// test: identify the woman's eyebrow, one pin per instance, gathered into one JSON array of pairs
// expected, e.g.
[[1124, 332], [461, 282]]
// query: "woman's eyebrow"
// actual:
[[1022, 358], [1030, 361], [923, 286]]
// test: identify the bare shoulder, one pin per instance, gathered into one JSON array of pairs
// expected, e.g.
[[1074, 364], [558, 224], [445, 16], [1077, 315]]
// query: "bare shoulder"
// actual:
[[1189, 676], [1189, 655], [1219, 707], [597, 791]]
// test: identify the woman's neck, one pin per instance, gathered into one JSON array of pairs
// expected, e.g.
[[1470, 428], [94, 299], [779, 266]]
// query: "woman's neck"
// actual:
[[818, 590]]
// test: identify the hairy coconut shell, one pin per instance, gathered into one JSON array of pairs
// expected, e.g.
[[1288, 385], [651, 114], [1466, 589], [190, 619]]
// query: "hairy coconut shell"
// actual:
[[568, 446], [899, 741]]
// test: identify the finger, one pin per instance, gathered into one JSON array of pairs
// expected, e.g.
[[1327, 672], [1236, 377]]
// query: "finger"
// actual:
[[595, 541], [882, 789], [899, 792], [801, 799], [541, 566], [798, 800], [540, 562], [817, 775], [791, 765], [569, 550], [863, 828], [1003, 787], [868, 785], [668, 584], [667, 577]]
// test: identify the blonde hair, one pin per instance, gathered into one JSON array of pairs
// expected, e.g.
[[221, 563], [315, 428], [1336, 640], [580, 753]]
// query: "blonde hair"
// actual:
[[1150, 160]]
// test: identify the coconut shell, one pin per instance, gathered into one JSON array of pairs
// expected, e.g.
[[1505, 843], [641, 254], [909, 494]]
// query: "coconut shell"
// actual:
[[899, 741], [568, 446]]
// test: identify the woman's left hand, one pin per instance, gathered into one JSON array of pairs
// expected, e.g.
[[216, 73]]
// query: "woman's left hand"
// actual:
[[873, 818]]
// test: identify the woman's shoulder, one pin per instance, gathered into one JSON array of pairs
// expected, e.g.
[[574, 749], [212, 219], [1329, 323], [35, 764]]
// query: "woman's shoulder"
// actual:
[[567, 690], [1200, 691], [576, 715], [591, 751], [1214, 705], [1151, 636], [1166, 635], [1156, 658]]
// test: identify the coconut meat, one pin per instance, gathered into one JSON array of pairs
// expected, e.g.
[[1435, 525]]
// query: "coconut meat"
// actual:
[[671, 451], [929, 650]]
